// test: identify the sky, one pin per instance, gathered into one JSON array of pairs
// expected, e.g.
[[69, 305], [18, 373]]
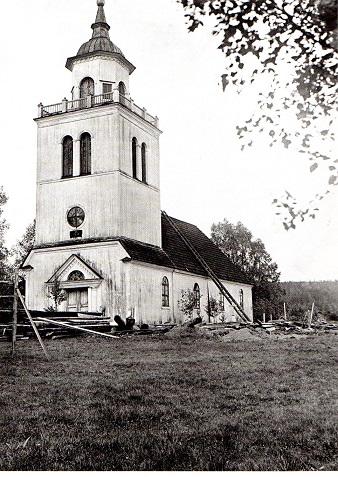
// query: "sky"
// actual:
[[205, 177]]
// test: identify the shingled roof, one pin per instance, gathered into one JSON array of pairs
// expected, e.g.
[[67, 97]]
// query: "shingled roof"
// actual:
[[176, 254]]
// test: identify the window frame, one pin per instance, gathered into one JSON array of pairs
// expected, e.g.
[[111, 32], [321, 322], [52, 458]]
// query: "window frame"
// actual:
[[79, 276], [134, 145], [144, 162], [197, 297], [221, 301], [76, 216], [165, 293], [67, 157], [122, 92], [241, 298], [85, 154], [90, 81], [107, 90]]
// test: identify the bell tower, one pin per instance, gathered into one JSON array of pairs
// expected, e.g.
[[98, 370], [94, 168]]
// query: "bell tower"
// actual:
[[98, 153]]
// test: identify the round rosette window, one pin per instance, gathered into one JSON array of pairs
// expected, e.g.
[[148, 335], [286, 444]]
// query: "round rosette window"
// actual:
[[75, 217]]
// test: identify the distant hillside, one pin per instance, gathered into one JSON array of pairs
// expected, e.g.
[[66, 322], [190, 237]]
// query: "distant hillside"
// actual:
[[299, 296]]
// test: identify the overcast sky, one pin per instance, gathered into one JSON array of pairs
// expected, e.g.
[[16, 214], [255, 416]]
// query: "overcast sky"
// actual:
[[204, 175]]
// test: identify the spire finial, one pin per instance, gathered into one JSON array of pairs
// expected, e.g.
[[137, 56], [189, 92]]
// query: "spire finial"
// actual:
[[100, 26]]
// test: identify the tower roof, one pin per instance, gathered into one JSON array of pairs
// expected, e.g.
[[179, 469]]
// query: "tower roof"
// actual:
[[100, 41]]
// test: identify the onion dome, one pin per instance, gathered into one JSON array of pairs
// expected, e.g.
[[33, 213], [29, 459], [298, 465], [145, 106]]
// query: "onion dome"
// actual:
[[100, 41]]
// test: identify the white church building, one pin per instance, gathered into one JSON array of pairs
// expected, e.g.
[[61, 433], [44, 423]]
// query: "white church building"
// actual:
[[100, 231]]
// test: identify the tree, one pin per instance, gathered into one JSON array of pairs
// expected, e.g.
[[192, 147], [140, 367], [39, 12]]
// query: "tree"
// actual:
[[5, 267], [187, 303], [57, 294], [24, 245], [213, 307], [237, 242], [266, 39]]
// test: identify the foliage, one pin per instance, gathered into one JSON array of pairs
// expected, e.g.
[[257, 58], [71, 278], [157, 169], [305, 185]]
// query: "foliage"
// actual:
[[291, 47], [5, 267], [187, 403], [299, 297], [237, 242], [187, 302], [213, 307], [268, 298], [57, 294], [24, 245]]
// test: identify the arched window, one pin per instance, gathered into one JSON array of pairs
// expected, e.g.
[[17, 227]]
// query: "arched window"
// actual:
[[67, 157], [144, 162], [197, 296], [86, 87], [85, 154], [241, 298], [122, 91], [75, 275], [134, 157], [165, 292]]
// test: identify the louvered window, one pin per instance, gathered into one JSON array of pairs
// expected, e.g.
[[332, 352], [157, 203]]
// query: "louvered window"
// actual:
[[67, 157], [144, 162], [85, 154], [134, 157]]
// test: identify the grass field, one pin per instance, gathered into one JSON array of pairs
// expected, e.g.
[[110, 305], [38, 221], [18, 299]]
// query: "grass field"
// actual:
[[176, 402]]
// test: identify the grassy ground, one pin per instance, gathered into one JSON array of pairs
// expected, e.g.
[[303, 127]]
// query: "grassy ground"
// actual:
[[177, 402]]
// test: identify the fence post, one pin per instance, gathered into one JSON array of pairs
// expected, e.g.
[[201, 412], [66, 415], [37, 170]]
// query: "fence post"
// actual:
[[40, 109], [64, 105], [15, 310]]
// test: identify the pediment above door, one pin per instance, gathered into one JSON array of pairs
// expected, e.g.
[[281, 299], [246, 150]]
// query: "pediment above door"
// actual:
[[75, 273]]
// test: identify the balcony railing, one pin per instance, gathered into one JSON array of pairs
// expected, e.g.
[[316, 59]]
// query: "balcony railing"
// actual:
[[94, 101]]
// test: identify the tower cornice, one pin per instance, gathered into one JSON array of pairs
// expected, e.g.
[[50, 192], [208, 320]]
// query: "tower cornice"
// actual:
[[102, 54]]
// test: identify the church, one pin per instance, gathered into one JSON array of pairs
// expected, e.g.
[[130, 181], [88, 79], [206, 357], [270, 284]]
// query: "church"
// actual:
[[100, 231]]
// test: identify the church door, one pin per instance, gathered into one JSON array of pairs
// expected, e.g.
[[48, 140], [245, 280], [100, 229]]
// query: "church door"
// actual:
[[77, 300]]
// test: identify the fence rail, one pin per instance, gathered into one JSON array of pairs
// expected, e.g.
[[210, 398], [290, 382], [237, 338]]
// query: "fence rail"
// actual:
[[94, 101], [76, 104], [52, 109]]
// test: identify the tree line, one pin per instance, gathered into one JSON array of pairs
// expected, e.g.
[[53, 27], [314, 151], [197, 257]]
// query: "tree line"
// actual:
[[299, 296]]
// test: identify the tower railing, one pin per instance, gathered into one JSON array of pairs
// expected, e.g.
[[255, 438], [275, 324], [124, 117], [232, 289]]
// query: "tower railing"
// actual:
[[94, 101]]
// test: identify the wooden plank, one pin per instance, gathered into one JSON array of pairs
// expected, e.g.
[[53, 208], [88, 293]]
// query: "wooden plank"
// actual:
[[66, 325], [311, 315]]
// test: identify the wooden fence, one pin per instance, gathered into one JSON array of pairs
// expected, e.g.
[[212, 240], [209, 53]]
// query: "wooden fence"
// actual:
[[6, 301]]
